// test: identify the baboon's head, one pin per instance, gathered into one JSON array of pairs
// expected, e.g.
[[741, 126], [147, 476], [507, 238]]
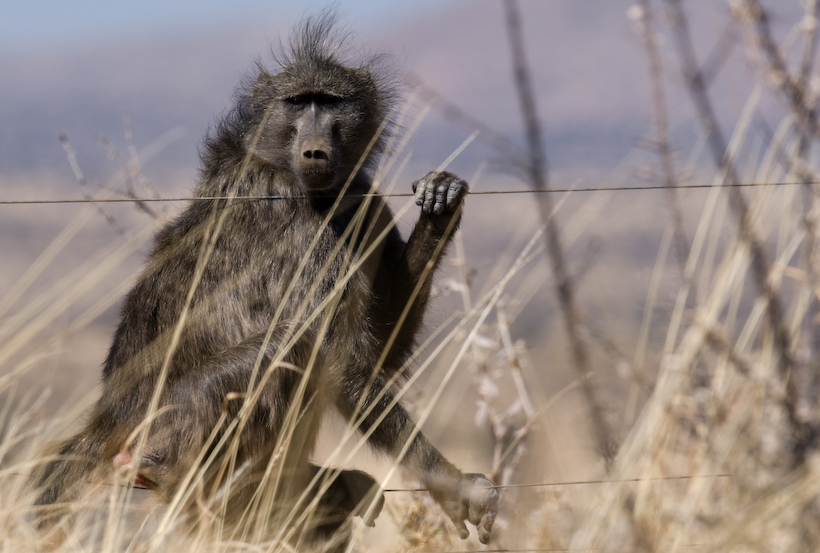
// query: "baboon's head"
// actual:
[[317, 117]]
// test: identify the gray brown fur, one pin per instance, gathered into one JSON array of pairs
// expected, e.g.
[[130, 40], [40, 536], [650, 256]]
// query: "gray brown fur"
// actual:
[[298, 134]]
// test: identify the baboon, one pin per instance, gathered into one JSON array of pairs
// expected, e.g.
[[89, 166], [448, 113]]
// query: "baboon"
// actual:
[[284, 288]]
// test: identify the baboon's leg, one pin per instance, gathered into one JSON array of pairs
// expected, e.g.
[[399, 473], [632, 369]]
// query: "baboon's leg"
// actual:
[[350, 493], [275, 424], [280, 429]]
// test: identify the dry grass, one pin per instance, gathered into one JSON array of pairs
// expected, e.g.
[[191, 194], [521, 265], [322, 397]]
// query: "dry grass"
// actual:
[[715, 417]]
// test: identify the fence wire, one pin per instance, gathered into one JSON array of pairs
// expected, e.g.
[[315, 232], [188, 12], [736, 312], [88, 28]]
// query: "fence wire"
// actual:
[[407, 194]]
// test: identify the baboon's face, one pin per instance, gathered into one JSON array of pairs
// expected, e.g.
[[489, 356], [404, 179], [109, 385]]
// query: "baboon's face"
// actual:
[[316, 149], [318, 128]]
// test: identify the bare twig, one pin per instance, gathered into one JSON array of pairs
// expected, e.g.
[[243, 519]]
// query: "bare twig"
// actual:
[[718, 341], [131, 170], [668, 176], [794, 90], [801, 102], [71, 155], [537, 173]]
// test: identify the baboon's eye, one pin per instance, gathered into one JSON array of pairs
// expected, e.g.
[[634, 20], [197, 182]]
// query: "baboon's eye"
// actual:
[[318, 98]]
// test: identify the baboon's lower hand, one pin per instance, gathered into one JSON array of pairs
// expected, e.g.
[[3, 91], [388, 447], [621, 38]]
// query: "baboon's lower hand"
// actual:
[[477, 502], [483, 505]]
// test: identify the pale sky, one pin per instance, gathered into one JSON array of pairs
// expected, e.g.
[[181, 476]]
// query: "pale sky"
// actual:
[[54, 22]]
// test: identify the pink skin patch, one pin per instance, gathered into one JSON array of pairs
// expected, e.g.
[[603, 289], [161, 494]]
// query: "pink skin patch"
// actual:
[[123, 463]]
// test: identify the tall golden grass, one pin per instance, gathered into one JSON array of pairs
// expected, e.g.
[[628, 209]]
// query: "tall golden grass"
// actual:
[[715, 440]]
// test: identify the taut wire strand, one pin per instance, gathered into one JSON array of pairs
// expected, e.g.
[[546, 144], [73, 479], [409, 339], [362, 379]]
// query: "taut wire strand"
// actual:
[[409, 194]]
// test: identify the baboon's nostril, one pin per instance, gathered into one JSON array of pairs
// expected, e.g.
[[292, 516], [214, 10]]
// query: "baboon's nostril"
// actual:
[[315, 154]]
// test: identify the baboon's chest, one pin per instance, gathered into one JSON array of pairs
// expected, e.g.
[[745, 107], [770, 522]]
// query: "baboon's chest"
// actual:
[[295, 269]]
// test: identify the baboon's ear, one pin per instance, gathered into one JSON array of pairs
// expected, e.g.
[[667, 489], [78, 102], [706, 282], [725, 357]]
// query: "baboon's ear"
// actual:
[[262, 88]]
